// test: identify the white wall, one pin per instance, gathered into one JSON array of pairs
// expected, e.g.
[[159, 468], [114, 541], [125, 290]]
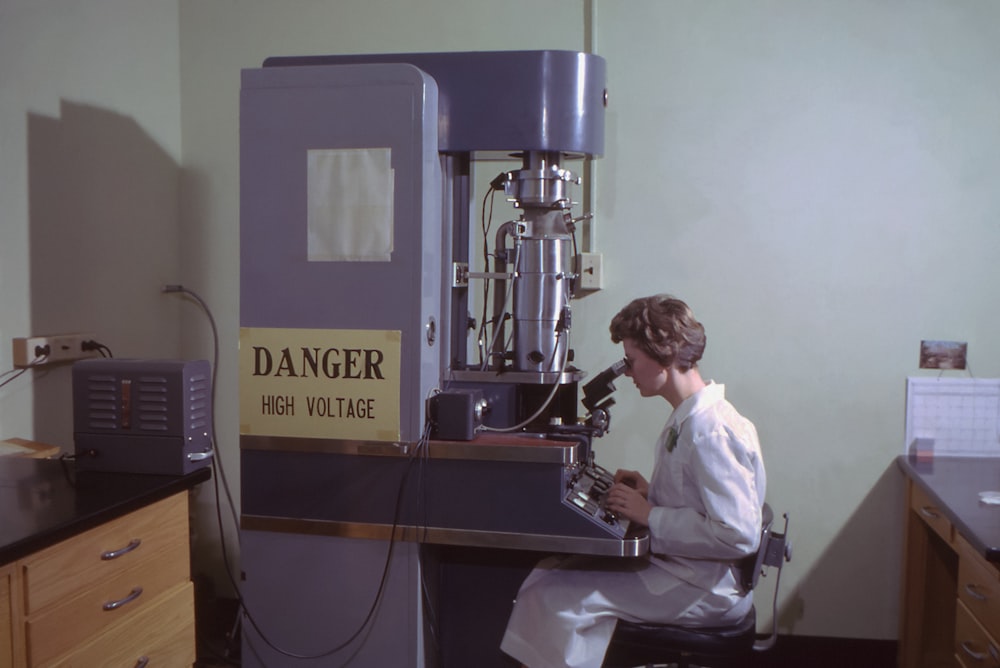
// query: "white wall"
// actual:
[[816, 179], [89, 189]]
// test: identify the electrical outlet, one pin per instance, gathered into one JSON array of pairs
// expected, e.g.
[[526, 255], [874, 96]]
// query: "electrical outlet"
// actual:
[[591, 271], [44, 350]]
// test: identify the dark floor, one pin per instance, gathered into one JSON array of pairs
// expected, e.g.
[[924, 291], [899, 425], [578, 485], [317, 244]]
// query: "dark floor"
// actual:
[[217, 632], [218, 646], [813, 652]]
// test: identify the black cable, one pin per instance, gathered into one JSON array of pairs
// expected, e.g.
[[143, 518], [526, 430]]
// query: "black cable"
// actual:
[[218, 468], [486, 224], [90, 344], [38, 361], [413, 456], [430, 610], [20, 372]]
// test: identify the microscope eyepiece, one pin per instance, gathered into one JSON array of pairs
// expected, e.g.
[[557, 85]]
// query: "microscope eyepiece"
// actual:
[[602, 385]]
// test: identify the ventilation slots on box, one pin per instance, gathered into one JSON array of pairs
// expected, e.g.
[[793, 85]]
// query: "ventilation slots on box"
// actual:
[[142, 416]]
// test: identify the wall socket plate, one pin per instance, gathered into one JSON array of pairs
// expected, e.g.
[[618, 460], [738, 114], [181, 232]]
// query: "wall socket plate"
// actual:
[[591, 268], [44, 350]]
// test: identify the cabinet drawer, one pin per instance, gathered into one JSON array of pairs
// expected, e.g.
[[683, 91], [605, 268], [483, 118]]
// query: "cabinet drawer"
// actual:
[[973, 645], [929, 512], [979, 587], [162, 633], [56, 573], [91, 611]]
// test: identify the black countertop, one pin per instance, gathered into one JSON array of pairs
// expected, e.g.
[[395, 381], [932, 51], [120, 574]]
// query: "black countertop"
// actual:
[[954, 484], [44, 501]]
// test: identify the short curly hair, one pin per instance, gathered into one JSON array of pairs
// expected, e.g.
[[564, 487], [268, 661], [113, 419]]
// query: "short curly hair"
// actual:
[[664, 328]]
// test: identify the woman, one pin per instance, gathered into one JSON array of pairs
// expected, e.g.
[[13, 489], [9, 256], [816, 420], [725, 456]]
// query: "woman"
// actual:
[[702, 505]]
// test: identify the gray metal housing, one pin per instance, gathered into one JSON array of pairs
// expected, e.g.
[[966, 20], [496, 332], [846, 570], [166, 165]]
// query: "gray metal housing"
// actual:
[[505, 101]]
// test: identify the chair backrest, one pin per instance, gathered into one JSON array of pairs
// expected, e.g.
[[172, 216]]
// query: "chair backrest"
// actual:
[[750, 566], [774, 550]]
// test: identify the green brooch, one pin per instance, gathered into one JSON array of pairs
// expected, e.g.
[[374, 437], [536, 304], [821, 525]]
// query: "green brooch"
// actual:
[[671, 439]]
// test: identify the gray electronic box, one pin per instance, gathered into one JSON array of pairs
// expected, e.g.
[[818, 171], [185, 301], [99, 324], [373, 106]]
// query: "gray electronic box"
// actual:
[[142, 416]]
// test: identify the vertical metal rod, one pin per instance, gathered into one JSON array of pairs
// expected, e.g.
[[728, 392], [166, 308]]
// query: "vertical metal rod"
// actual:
[[590, 169]]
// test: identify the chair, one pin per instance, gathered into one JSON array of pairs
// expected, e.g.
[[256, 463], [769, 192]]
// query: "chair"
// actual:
[[641, 644]]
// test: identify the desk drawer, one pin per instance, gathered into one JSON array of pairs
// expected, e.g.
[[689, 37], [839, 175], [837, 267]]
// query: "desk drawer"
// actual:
[[87, 614], [979, 587], [57, 573], [929, 512], [162, 633], [973, 645]]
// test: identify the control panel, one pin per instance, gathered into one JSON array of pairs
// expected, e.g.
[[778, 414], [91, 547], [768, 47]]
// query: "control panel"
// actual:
[[586, 488]]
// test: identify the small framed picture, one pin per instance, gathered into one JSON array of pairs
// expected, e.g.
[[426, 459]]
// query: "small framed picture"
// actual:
[[943, 354]]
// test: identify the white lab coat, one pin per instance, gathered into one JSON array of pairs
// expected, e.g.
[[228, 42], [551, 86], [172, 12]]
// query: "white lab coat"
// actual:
[[707, 489]]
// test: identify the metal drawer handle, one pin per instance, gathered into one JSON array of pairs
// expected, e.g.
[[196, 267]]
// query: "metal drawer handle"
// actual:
[[114, 554], [142, 662], [973, 591], [114, 605], [978, 656], [931, 512]]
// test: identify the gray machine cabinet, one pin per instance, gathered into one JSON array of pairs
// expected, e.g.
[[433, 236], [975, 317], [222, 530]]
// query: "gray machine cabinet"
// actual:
[[306, 594], [287, 112], [312, 597], [316, 508]]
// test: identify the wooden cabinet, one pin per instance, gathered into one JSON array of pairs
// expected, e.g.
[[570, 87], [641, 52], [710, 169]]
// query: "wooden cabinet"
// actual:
[[930, 572], [119, 591], [951, 594]]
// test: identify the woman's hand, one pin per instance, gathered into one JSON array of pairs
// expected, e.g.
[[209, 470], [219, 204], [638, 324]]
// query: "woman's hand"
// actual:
[[626, 501], [634, 480]]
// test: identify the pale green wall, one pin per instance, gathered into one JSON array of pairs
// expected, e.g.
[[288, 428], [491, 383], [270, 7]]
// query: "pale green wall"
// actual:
[[90, 145], [815, 178], [818, 179]]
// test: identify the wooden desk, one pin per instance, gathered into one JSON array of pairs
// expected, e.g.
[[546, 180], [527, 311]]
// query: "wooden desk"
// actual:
[[94, 567], [19, 447], [950, 613]]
